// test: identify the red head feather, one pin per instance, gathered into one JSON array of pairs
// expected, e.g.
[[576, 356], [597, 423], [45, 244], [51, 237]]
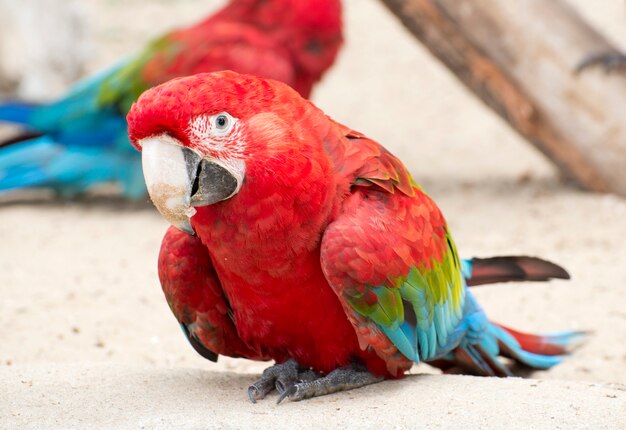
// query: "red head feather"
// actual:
[[169, 108], [311, 30]]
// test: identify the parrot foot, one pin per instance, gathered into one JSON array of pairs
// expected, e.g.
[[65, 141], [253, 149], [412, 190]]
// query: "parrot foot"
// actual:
[[342, 379], [280, 377], [610, 61]]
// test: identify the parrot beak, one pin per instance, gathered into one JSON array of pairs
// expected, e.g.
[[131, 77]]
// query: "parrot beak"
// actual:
[[179, 179]]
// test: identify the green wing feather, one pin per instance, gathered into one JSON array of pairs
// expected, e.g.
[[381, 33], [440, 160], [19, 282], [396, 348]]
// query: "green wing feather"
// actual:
[[123, 87], [417, 311]]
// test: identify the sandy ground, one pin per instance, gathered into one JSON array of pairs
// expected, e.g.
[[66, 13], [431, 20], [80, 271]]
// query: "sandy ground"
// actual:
[[166, 398], [87, 340]]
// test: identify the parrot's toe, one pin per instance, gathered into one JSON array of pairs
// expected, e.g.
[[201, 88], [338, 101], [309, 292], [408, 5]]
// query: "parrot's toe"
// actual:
[[342, 379], [279, 377], [254, 394], [261, 388], [609, 61]]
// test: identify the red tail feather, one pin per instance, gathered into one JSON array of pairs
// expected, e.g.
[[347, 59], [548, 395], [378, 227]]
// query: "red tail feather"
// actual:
[[536, 344]]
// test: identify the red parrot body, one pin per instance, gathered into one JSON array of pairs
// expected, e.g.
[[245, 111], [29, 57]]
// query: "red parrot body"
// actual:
[[277, 236], [315, 240]]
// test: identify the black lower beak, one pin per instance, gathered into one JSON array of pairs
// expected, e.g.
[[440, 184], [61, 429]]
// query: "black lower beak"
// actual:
[[212, 183]]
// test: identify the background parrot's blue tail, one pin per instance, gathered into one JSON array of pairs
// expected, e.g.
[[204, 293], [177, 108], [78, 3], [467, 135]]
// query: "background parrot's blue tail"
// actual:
[[17, 112], [71, 171], [70, 145]]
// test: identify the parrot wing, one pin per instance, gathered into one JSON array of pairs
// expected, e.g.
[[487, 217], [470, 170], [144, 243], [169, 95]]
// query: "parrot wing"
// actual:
[[390, 259], [84, 134], [195, 296], [223, 45], [101, 102], [93, 112]]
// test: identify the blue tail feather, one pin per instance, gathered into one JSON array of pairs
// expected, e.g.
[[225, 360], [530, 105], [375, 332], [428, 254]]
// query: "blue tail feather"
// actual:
[[42, 162], [83, 143], [17, 112], [537, 361], [476, 343], [31, 152]]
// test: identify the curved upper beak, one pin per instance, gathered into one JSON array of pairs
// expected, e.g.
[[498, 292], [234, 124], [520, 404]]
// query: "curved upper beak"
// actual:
[[179, 179]]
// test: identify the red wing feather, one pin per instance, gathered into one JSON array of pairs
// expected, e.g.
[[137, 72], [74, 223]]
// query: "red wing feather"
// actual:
[[365, 162], [195, 296]]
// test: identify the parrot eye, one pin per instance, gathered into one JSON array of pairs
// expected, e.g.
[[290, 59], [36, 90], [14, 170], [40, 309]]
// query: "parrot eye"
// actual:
[[222, 123]]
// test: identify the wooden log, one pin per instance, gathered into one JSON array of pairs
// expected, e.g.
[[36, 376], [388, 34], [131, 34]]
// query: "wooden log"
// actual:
[[519, 57]]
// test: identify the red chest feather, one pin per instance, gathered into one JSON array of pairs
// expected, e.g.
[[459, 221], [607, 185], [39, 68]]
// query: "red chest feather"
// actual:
[[265, 247]]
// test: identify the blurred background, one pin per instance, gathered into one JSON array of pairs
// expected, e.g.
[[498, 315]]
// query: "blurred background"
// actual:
[[79, 280]]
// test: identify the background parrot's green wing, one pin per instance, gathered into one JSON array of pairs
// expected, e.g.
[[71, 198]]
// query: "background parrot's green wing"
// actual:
[[390, 259], [125, 83], [198, 49], [100, 102], [103, 100]]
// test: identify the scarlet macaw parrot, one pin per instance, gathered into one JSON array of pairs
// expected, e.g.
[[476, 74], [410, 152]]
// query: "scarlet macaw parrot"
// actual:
[[81, 140], [301, 240]]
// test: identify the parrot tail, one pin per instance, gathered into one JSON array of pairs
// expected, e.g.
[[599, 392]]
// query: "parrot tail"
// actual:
[[480, 271], [21, 137], [17, 112], [553, 344], [484, 341], [533, 351], [71, 171], [536, 351]]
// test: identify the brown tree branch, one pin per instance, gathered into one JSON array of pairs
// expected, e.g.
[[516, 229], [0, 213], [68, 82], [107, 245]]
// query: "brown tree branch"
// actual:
[[519, 58]]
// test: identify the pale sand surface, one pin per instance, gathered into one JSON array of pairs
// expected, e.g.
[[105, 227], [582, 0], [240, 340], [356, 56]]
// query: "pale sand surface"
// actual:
[[117, 397], [87, 340]]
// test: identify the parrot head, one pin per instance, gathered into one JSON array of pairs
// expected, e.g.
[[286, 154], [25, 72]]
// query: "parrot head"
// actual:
[[317, 33], [199, 135], [310, 29]]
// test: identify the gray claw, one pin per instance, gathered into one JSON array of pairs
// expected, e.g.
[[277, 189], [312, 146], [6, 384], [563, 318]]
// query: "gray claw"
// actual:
[[253, 393], [285, 381], [278, 376], [289, 392], [281, 386], [260, 389]]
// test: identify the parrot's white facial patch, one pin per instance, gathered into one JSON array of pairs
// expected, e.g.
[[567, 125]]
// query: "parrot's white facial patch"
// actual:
[[219, 134]]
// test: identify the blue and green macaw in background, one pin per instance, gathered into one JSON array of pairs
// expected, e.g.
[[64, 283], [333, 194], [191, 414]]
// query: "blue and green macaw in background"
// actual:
[[81, 140]]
